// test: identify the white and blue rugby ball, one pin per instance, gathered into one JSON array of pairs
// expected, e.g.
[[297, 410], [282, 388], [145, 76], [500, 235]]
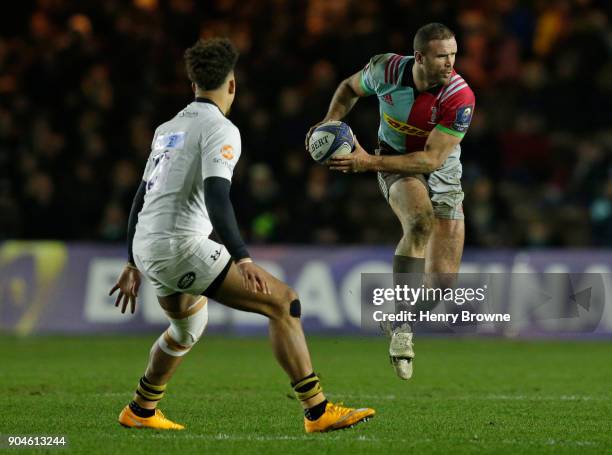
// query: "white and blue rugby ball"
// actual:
[[330, 139]]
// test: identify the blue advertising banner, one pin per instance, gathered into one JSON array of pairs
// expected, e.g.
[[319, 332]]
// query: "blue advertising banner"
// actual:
[[55, 287]]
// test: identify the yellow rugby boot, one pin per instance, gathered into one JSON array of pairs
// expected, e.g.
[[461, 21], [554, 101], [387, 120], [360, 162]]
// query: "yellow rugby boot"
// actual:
[[336, 417], [127, 418]]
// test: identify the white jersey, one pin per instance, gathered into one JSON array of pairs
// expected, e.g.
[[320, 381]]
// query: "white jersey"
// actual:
[[199, 142]]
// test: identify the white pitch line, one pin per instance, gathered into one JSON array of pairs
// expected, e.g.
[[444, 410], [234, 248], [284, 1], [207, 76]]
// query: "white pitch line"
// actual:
[[234, 437], [360, 438], [551, 442]]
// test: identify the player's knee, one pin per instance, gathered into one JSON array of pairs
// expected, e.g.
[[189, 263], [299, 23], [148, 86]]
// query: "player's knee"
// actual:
[[287, 304], [290, 295], [185, 329], [423, 224], [292, 303], [419, 227]]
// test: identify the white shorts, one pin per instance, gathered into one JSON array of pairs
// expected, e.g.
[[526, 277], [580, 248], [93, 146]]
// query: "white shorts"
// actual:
[[180, 264]]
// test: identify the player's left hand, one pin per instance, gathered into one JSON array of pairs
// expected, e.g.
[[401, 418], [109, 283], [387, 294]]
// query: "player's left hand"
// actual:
[[253, 278], [128, 285], [357, 161]]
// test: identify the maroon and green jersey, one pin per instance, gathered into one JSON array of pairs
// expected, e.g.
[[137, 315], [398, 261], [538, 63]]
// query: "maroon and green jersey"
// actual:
[[407, 115]]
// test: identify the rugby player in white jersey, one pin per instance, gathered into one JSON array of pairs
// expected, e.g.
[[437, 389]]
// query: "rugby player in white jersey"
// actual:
[[184, 195]]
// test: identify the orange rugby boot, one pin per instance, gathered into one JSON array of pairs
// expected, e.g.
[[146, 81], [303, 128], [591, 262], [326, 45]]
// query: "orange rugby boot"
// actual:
[[127, 418], [336, 417]]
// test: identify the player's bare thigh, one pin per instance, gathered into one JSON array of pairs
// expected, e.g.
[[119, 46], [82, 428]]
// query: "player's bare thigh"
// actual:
[[408, 198], [409, 195], [179, 302], [233, 294], [410, 202]]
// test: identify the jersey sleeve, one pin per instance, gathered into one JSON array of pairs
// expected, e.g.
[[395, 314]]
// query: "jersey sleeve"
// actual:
[[147, 171], [220, 152], [456, 110], [149, 166], [381, 74]]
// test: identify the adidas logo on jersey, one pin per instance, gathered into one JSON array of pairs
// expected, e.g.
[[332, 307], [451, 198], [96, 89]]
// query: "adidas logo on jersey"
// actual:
[[387, 99]]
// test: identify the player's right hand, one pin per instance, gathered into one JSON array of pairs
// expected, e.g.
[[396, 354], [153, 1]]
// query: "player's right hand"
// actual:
[[128, 285], [253, 277]]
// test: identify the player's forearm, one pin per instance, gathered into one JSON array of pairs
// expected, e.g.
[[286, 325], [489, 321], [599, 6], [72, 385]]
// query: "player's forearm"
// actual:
[[133, 219], [342, 102], [412, 163]]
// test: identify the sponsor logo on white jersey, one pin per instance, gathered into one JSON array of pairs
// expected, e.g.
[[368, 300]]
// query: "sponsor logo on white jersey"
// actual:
[[170, 141]]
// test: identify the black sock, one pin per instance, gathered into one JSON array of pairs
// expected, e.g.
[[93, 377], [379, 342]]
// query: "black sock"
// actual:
[[316, 411], [141, 412], [408, 264], [414, 266]]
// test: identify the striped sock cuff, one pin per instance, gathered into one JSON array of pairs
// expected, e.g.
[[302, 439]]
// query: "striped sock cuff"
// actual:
[[150, 392], [307, 388]]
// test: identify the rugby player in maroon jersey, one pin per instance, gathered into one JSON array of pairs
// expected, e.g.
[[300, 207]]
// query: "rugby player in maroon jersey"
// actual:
[[425, 110]]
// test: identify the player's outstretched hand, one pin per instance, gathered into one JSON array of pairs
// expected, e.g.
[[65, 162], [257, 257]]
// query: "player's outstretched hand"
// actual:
[[128, 285], [253, 277], [357, 161]]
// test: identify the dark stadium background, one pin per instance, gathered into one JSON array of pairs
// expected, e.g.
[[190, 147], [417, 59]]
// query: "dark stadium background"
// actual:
[[83, 85]]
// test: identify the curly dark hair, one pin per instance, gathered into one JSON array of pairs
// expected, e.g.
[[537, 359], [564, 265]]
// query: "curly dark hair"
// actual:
[[208, 62], [431, 32]]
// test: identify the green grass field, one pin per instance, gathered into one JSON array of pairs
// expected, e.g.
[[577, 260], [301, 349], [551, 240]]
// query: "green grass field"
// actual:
[[468, 395]]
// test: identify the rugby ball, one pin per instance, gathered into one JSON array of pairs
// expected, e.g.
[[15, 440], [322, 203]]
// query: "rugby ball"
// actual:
[[329, 139]]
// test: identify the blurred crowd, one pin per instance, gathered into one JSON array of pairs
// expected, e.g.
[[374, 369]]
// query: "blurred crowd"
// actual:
[[84, 84]]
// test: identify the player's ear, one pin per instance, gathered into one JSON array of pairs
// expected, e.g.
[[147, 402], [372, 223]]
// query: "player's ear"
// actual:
[[231, 85], [194, 87], [418, 56]]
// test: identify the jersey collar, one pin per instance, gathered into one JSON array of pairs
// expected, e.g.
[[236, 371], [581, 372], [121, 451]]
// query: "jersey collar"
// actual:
[[201, 99], [408, 79]]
